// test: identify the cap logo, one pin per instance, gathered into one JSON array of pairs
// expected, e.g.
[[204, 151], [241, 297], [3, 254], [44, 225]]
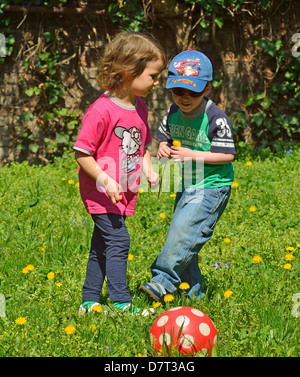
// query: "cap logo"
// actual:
[[188, 67], [184, 81]]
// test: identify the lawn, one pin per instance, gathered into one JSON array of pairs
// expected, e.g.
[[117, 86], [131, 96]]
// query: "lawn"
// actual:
[[253, 256]]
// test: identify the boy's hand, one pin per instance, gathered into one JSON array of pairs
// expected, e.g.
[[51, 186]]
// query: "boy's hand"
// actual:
[[164, 150], [180, 153]]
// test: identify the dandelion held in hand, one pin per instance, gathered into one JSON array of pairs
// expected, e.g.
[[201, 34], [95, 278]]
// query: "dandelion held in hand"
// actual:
[[176, 143]]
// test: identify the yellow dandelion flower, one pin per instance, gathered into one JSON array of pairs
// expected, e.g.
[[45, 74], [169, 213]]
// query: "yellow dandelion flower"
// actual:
[[20, 321], [176, 143], [92, 327], [140, 355], [256, 259], [97, 308], [50, 275], [130, 256], [168, 297], [162, 215], [30, 267], [58, 284], [172, 195], [42, 249], [141, 190], [252, 209], [25, 270], [57, 272], [227, 240], [77, 184], [298, 244], [248, 163], [290, 248], [289, 257], [287, 266], [70, 329], [184, 286], [71, 182], [63, 179], [235, 185], [228, 293], [156, 305]]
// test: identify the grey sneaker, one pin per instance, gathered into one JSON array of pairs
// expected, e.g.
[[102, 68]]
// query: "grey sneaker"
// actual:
[[152, 290]]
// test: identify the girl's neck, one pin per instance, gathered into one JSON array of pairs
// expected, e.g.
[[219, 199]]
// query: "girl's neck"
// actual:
[[125, 98]]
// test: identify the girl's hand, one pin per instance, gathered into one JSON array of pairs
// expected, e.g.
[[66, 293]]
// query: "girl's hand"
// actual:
[[153, 180], [113, 190], [180, 153], [164, 150]]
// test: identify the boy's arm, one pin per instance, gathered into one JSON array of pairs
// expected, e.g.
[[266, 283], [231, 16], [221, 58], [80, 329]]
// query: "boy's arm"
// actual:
[[164, 149], [93, 170], [212, 158]]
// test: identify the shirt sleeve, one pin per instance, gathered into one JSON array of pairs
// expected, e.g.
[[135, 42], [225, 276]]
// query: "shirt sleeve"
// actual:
[[91, 133], [163, 133], [220, 131]]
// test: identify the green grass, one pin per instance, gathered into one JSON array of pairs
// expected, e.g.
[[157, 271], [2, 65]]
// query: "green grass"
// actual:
[[43, 223]]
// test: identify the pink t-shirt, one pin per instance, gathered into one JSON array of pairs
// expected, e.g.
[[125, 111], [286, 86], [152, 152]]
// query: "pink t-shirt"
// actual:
[[115, 136]]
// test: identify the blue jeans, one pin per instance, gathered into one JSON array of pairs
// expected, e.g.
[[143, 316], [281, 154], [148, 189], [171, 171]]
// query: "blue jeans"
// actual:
[[108, 257], [196, 213]]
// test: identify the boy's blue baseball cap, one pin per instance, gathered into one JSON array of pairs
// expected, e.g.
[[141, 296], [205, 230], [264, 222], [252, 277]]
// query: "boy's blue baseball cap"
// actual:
[[190, 70]]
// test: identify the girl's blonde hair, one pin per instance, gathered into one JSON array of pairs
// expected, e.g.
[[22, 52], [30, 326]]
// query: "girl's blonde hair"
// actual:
[[126, 57]]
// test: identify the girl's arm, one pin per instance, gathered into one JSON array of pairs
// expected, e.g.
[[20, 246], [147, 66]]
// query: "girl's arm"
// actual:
[[150, 174], [180, 153], [92, 169]]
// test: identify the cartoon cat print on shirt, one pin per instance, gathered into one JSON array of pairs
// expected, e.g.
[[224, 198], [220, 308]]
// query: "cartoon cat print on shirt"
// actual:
[[131, 142]]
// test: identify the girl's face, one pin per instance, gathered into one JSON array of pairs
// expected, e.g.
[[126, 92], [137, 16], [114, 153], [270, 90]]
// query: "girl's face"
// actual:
[[142, 85]]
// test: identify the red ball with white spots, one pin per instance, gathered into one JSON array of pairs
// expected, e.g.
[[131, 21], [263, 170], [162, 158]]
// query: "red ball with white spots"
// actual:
[[186, 329]]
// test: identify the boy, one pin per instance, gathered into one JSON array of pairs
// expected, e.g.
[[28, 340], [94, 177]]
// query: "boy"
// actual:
[[205, 134]]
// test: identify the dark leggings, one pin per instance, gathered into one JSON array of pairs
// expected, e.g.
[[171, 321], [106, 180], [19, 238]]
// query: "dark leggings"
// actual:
[[108, 257]]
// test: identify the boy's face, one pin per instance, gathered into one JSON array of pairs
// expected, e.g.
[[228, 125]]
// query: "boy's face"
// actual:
[[188, 104]]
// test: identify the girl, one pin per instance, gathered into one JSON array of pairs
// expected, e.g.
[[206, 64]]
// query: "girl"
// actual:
[[111, 151]]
